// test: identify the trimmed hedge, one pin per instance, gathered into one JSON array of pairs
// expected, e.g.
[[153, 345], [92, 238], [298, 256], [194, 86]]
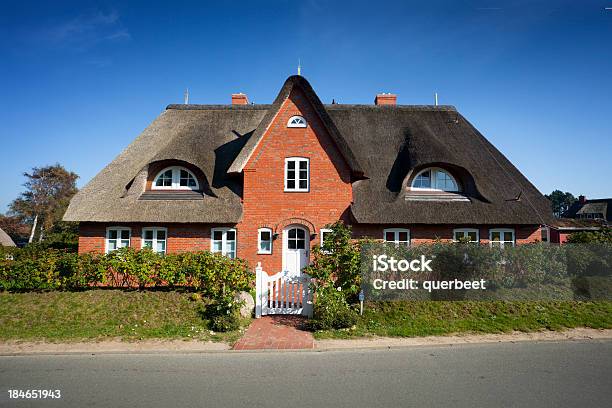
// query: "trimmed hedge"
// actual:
[[45, 269]]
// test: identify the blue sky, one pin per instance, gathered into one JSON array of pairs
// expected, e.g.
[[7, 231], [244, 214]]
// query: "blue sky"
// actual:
[[79, 80]]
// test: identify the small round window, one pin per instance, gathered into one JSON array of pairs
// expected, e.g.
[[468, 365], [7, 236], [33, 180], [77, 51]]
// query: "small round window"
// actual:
[[297, 122]]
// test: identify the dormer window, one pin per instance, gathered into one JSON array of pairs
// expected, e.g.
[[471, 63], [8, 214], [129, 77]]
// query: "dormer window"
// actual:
[[435, 179], [297, 122], [175, 178]]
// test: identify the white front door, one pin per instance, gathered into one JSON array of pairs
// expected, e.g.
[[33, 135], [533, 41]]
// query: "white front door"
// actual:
[[296, 248]]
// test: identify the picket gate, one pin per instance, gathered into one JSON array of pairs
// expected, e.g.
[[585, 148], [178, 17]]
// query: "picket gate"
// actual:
[[282, 293]]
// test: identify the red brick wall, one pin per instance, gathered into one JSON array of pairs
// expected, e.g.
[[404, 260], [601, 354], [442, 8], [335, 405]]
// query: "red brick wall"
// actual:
[[426, 233], [181, 237], [266, 204]]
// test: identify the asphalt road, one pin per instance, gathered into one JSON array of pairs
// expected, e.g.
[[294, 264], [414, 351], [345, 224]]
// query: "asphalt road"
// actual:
[[568, 374]]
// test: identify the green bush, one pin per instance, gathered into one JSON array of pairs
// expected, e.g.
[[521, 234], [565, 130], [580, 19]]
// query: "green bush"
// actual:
[[223, 313], [332, 311], [35, 268]]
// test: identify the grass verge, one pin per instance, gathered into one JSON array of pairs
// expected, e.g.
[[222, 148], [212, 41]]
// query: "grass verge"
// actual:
[[423, 318], [103, 314]]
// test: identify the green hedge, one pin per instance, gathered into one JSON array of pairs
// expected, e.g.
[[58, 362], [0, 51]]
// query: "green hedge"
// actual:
[[44, 269]]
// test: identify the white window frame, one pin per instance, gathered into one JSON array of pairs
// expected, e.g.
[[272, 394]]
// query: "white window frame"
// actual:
[[297, 125], [176, 179], [502, 230], [224, 241], [259, 241], [396, 232], [465, 231], [322, 232], [432, 181], [155, 240], [118, 239], [297, 161]]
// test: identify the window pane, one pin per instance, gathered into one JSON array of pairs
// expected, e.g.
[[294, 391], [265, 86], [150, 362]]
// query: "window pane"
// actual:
[[301, 244], [457, 235], [231, 235], [231, 254], [184, 174], [291, 184], [291, 165], [161, 246], [217, 235], [161, 234], [303, 184], [389, 236], [124, 243], [112, 234], [291, 244], [148, 234], [303, 175], [422, 180], [265, 246], [495, 236], [303, 165], [265, 235], [217, 246], [291, 175], [508, 236], [125, 234], [472, 235], [148, 244], [403, 236], [230, 246], [112, 244], [301, 233], [292, 233]]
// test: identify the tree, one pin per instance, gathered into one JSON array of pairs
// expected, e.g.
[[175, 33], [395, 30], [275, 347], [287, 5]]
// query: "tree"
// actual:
[[561, 202], [16, 229], [43, 204]]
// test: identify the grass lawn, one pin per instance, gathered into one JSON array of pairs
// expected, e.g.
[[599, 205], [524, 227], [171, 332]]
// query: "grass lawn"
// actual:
[[103, 314], [422, 318]]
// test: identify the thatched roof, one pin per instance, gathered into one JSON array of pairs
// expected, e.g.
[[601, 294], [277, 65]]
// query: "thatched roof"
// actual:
[[208, 137], [5, 240], [383, 145], [595, 206]]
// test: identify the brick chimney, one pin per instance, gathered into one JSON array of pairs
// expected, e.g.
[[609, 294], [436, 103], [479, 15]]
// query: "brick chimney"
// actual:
[[239, 99], [385, 99], [582, 199]]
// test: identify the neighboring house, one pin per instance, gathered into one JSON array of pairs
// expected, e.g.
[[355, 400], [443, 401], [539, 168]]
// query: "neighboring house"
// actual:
[[5, 240], [262, 182], [597, 209], [561, 228]]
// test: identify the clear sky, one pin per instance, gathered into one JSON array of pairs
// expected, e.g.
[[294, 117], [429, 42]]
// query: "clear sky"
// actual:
[[80, 80]]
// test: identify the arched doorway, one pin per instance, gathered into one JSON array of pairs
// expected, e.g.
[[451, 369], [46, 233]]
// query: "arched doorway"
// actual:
[[296, 249]]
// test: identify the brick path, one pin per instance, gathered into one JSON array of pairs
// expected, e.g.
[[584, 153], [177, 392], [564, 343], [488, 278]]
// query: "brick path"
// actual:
[[276, 332]]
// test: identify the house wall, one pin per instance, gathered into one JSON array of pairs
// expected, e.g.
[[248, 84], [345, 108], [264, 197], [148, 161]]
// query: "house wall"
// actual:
[[265, 202], [181, 237], [420, 234]]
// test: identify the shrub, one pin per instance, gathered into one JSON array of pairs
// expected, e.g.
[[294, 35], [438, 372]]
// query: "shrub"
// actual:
[[332, 311], [223, 313]]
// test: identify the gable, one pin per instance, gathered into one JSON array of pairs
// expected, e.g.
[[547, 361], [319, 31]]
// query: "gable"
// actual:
[[297, 82]]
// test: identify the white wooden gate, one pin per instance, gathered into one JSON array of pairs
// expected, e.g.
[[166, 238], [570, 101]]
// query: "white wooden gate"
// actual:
[[282, 294]]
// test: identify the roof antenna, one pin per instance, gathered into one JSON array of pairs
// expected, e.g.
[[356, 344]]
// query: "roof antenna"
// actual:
[[299, 67], [186, 96], [436, 98]]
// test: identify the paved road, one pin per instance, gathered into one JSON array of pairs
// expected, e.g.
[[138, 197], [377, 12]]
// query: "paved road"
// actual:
[[569, 374]]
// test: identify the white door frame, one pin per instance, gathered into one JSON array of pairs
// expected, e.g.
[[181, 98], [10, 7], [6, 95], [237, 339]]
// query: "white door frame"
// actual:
[[286, 245]]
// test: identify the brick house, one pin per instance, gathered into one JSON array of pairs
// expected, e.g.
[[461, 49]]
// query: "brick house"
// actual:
[[262, 182]]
